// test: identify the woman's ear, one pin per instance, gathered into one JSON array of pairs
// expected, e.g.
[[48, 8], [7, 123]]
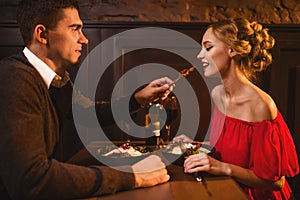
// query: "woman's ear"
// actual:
[[231, 52], [40, 34]]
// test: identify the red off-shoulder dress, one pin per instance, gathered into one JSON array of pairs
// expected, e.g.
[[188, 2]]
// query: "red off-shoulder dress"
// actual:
[[265, 147]]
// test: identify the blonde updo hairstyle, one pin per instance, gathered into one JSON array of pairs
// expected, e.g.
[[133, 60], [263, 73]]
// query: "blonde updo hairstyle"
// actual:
[[250, 40]]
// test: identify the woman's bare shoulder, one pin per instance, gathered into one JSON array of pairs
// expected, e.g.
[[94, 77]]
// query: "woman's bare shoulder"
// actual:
[[218, 95], [264, 106]]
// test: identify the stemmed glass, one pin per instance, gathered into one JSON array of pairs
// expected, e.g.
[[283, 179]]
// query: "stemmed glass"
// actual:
[[170, 106]]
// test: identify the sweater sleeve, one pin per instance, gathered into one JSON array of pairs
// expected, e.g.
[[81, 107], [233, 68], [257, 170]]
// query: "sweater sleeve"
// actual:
[[114, 180]]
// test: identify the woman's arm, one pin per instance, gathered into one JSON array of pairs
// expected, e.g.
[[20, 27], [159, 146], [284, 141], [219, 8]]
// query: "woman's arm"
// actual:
[[248, 177], [205, 163]]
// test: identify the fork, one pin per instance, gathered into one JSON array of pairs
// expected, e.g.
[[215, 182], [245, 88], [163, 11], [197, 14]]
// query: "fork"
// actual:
[[183, 73]]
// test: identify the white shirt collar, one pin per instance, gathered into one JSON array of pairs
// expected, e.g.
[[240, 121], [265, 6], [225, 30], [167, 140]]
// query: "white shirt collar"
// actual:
[[44, 70]]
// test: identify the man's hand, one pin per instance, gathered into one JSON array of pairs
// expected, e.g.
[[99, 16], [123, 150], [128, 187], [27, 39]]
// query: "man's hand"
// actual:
[[157, 89], [149, 172]]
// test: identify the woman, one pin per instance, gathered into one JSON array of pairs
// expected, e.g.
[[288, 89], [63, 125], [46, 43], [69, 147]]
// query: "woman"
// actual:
[[254, 145]]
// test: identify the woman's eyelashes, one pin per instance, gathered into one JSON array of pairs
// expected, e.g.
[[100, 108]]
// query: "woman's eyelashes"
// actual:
[[208, 48]]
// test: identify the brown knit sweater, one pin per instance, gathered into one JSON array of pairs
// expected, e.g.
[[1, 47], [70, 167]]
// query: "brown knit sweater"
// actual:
[[29, 134]]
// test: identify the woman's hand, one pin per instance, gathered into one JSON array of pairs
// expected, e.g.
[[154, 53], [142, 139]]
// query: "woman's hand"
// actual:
[[205, 163], [182, 138]]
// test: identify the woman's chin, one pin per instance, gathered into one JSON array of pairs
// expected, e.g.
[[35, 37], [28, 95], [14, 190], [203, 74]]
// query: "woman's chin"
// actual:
[[212, 75]]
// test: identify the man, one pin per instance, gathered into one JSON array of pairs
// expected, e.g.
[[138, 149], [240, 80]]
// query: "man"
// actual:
[[30, 117]]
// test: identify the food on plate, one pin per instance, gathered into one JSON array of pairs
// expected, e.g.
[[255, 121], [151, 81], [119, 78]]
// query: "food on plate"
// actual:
[[175, 148], [124, 150], [196, 148], [187, 148]]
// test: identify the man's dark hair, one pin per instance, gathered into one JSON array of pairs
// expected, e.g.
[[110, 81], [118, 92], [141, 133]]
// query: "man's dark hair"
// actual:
[[47, 12]]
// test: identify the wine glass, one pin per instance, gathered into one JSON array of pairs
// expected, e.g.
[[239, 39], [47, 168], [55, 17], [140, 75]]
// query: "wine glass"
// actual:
[[170, 106]]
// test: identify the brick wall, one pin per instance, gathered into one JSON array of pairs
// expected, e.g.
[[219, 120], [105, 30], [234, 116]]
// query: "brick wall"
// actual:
[[266, 11]]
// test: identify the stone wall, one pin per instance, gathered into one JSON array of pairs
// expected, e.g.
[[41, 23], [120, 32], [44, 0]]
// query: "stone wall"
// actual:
[[264, 11]]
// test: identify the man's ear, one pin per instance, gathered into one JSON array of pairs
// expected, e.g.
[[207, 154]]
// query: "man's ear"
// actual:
[[40, 34]]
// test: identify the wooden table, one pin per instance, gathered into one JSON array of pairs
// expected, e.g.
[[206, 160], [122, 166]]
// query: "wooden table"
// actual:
[[213, 189], [181, 186]]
